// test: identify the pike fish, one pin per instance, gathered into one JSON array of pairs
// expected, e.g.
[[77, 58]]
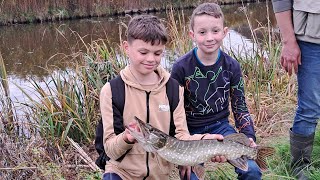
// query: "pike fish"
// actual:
[[234, 147]]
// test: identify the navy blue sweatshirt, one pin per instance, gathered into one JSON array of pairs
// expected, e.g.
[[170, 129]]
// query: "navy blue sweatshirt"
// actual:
[[208, 89]]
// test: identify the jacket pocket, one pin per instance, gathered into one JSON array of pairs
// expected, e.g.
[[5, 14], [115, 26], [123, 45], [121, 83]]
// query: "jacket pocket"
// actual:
[[313, 25], [134, 162], [300, 22], [306, 24]]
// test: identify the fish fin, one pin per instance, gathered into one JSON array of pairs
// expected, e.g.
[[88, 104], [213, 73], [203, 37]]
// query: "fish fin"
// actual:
[[241, 163], [262, 153], [199, 171], [239, 138]]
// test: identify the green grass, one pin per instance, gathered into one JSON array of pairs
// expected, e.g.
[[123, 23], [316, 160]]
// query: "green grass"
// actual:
[[279, 164]]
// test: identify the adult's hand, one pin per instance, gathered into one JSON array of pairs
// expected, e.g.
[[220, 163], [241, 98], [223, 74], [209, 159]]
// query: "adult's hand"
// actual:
[[290, 56]]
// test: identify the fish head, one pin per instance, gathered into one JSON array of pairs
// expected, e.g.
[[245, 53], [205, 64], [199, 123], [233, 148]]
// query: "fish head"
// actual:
[[151, 135]]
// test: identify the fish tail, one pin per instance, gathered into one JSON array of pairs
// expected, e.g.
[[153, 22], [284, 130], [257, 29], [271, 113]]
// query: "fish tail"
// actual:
[[262, 154]]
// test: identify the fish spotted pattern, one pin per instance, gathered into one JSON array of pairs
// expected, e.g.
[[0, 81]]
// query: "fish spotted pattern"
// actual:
[[234, 147]]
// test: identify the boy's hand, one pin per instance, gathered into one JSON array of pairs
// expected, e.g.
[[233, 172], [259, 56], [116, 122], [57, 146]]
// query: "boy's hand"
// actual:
[[127, 137], [185, 171], [252, 143], [219, 159], [219, 137]]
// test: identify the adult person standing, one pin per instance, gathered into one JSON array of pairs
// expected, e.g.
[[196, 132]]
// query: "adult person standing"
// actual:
[[299, 23]]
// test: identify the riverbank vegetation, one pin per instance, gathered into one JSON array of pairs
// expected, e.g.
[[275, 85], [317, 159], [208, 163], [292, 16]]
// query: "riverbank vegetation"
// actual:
[[38, 142], [29, 11]]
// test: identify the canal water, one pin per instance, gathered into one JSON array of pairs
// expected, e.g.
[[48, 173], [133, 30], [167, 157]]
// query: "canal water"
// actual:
[[35, 50]]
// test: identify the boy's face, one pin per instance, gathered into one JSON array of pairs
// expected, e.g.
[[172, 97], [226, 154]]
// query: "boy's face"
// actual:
[[144, 58], [208, 33]]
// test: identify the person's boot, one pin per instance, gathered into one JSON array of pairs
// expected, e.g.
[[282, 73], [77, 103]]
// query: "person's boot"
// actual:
[[301, 149]]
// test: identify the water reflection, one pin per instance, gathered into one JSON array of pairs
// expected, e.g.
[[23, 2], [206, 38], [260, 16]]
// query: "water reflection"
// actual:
[[36, 49], [28, 49], [238, 44]]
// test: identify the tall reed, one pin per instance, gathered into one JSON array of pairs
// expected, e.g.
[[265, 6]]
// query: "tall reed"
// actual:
[[179, 33], [268, 89], [6, 107], [67, 103]]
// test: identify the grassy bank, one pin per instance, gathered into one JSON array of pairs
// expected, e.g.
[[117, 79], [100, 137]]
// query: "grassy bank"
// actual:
[[28, 11], [38, 143]]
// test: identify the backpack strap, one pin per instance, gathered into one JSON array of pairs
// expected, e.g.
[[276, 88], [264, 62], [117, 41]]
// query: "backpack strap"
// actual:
[[172, 90], [118, 90], [118, 100]]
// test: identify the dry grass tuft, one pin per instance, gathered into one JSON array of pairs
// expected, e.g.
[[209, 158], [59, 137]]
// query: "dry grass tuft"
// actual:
[[36, 158]]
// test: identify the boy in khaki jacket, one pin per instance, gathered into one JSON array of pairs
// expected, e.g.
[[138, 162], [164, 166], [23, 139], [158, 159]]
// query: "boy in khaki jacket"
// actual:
[[145, 92]]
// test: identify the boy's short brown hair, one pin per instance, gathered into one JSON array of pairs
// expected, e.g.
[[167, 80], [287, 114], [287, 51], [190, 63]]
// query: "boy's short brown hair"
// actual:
[[211, 9], [148, 28]]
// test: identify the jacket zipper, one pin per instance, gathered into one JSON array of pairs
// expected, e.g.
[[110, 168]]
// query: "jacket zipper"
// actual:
[[148, 115]]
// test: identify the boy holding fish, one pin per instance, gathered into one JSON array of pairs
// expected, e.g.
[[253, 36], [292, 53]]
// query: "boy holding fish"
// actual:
[[210, 77], [145, 97]]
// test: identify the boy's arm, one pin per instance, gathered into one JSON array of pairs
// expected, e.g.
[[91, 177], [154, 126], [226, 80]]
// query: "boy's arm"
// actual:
[[240, 111], [114, 145]]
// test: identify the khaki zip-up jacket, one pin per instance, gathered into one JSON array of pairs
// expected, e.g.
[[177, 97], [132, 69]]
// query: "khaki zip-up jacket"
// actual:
[[131, 161], [306, 17]]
